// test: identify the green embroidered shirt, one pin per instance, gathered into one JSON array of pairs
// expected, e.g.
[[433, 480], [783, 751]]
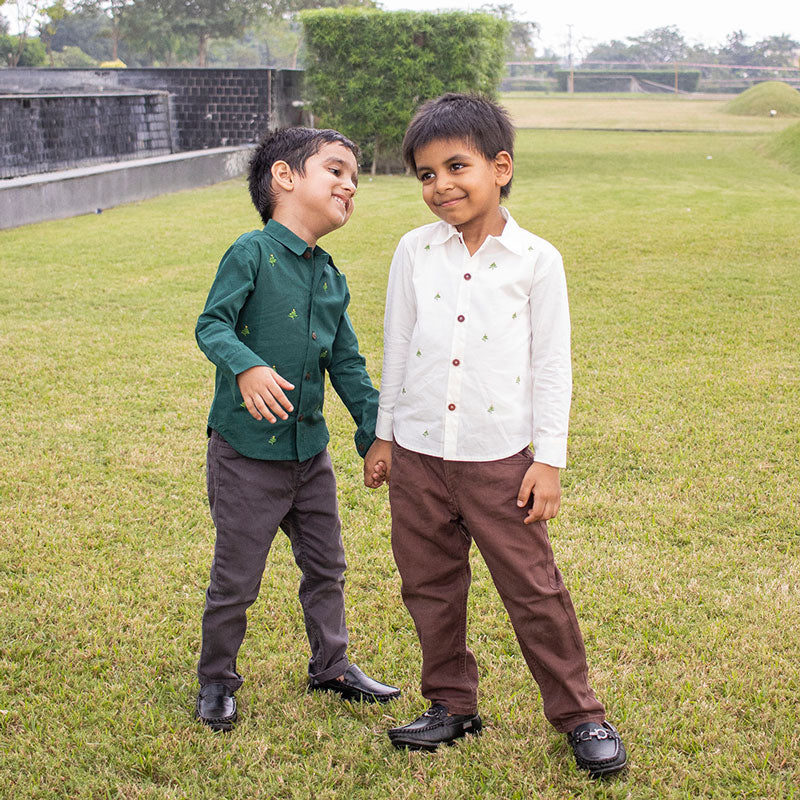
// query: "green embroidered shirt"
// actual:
[[276, 302]]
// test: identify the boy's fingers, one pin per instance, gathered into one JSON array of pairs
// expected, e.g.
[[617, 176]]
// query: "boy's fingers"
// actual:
[[525, 490]]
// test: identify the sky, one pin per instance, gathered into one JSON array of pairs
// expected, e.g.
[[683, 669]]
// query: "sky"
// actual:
[[700, 21]]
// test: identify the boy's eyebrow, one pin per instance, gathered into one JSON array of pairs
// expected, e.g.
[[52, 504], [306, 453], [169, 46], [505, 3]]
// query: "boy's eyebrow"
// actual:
[[343, 163], [451, 160]]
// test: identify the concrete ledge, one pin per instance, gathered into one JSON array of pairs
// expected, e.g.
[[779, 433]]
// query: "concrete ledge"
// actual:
[[55, 195]]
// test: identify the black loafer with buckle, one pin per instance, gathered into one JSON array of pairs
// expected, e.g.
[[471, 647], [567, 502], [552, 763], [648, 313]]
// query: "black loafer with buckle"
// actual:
[[436, 726], [356, 686], [598, 749], [216, 707]]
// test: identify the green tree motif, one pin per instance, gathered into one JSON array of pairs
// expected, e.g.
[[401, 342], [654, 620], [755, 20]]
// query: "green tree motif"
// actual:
[[272, 259], [272, 439], [492, 265], [293, 314], [245, 331]]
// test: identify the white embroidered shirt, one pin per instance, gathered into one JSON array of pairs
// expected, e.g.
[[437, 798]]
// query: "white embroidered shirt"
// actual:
[[476, 359]]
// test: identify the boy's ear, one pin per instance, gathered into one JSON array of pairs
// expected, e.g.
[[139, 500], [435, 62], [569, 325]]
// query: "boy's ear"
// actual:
[[503, 168], [282, 175]]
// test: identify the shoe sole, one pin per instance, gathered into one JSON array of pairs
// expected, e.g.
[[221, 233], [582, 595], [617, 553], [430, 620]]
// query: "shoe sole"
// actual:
[[607, 770], [356, 697], [224, 725], [413, 744]]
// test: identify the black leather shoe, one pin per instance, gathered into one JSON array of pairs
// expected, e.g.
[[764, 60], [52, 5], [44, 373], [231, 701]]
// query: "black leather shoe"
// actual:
[[433, 728], [216, 707], [598, 749], [356, 686]]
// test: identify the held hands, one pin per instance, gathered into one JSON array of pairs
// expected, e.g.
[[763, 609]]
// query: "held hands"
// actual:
[[262, 390], [378, 464], [543, 482]]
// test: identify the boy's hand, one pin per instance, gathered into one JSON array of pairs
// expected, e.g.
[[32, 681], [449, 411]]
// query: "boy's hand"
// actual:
[[262, 390], [378, 464], [543, 482]]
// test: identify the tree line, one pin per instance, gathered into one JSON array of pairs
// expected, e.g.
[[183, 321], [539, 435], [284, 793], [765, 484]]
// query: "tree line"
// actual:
[[253, 33]]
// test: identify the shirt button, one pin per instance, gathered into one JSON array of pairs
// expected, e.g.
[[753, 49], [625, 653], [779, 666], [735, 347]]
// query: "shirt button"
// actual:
[[467, 276], [313, 334], [456, 362], [308, 375], [452, 407], [307, 254], [460, 317], [300, 418]]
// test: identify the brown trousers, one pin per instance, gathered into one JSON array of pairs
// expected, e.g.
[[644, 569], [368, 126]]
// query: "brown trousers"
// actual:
[[438, 507]]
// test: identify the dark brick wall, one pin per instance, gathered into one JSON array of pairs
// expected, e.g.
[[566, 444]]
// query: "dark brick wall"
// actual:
[[209, 107], [42, 133]]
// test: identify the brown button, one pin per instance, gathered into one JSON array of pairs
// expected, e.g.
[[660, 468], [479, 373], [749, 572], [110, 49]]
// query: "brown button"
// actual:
[[308, 375], [456, 362], [300, 418], [313, 334], [452, 406], [467, 276], [307, 254], [460, 317]]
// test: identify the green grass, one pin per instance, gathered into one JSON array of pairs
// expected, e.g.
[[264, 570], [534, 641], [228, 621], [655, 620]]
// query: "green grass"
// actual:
[[678, 537], [785, 147], [761, 99]]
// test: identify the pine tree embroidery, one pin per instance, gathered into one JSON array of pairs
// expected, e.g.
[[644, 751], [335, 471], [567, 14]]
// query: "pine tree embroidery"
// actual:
[[427, 247], [293, 314], [243, 404], [325, 286], [425, 433], [437, 296], [490, 409], [492, 265], [323, 354], [272, 259], [517, 380], [484, 338], [404, 390], [419, 353], [514, 315], [272, 439], [530, 247], [245, 331]]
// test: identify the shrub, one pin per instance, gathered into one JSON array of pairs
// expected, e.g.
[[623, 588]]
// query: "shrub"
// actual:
[[33, 51], [73, 57], [368, 70]]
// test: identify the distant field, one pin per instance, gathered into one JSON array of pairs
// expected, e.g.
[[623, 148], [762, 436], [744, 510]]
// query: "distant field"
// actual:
[[633, 112]]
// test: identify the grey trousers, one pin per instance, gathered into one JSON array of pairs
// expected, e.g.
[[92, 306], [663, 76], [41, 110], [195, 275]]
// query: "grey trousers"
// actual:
[[250, 499]]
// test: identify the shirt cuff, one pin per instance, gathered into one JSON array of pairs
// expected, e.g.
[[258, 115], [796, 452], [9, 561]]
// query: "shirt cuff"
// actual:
[[384, 427], [552, 451]]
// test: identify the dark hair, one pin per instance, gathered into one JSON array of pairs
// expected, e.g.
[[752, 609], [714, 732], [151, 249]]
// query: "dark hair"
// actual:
[[482, 123], [294, 146]]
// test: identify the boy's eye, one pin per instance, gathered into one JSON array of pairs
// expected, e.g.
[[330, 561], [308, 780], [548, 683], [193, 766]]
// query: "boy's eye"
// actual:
[[425, 176], [457, 166], [335, 170]]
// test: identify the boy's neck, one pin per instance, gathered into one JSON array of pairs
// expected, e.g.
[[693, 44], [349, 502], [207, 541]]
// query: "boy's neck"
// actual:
[[475, 232], [295, 224]]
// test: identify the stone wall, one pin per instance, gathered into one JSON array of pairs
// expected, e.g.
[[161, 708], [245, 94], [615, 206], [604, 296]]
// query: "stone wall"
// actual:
[[205, 108], [42, 133]]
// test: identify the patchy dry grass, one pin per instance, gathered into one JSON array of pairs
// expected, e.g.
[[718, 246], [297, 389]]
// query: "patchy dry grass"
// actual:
[[679, 534]]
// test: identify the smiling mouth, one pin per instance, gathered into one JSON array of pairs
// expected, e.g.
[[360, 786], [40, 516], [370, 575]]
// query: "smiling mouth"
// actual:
[[451, 202], [344, 202]]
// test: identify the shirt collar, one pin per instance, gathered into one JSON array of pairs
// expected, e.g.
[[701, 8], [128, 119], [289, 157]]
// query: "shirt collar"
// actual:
[[511, 238], [291, 241]]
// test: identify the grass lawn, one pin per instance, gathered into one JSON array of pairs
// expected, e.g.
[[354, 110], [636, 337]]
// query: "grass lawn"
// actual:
[[617, 111], [679, 534]]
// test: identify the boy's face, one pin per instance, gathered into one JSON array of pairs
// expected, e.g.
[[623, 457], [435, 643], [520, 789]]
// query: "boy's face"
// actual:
[[459, 184], [322, 199]]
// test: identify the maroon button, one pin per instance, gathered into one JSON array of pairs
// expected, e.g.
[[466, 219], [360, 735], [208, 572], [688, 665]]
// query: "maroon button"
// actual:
[[307, 254], [467, 276], [460, 317], [456, 362], [300, 418], [452, 407], [313, 334], [308, 375]]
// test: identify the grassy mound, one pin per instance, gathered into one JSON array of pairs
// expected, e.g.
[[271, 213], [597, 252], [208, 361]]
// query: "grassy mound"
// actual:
[[785, 147], [761, 99]]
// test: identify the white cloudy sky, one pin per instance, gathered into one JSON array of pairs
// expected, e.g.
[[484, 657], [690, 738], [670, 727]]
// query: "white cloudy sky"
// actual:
[[705, 21]]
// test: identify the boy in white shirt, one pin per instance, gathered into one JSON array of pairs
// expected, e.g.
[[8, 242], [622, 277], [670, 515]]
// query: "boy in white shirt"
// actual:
[[476, 368]]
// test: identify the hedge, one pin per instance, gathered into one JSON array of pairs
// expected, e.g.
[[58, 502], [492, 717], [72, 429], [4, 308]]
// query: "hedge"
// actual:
[[367, 70], [594, 80]]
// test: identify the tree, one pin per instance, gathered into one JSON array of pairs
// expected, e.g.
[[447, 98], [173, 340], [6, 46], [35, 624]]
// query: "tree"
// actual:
[[26, 14], [660, 45], [52, 15], [521, 43]]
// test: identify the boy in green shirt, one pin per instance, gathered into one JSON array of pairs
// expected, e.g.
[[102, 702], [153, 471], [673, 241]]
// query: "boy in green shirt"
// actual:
[[275, 321]]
